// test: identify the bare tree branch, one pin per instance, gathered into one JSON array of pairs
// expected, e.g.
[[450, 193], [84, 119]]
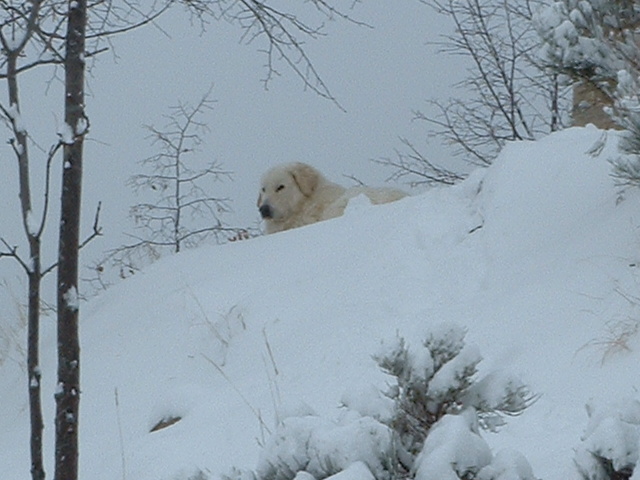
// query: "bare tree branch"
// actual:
[[509, 95], [418, 167], [13, 253], [283, 34], [96, 231]]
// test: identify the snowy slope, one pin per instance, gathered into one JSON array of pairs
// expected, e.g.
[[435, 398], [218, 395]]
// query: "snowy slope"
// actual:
[[535, 256]]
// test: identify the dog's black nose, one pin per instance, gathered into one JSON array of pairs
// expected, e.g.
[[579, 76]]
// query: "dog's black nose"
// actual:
[[265, 211]]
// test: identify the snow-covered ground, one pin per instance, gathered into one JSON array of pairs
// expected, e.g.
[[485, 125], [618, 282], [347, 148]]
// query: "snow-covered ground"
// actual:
[[537, 257]]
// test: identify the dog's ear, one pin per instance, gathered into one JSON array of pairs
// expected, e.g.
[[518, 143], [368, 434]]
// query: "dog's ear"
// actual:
[[306, 177]]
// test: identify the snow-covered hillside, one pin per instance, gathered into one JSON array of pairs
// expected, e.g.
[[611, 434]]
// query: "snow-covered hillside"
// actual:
[[536, 257]]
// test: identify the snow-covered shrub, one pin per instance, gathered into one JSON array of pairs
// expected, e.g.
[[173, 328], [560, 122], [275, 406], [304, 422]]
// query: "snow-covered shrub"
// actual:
[[592, 42], [440, 406], [323, 448], [423, 391], [427, 426], [438, 377], [576, 37], [626, 168], [610, 447]]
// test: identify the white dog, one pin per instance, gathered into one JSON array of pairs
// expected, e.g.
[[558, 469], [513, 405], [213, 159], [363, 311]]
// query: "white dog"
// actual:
[[296, 194]]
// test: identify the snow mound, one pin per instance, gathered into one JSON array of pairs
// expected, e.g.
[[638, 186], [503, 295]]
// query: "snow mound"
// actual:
[[532, 257]]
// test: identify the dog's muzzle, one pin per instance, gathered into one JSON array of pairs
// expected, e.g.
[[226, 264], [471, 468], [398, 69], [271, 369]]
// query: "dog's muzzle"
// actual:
[[266, 211]]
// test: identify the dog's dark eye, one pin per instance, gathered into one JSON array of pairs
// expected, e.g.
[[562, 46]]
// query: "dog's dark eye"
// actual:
[[280, 187], [263, 190]]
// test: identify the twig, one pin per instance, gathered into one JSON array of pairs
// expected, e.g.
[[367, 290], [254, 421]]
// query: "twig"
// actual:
[[269, 351], [97, 231], [121, 437], [13, 252]]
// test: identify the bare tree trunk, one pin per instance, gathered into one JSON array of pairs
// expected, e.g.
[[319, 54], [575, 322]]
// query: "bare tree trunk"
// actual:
[[554, 124], [33, 355], [34, 273], [68, 392]]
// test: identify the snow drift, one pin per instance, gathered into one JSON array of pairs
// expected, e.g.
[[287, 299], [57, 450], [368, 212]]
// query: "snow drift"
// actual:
[[536, 257]]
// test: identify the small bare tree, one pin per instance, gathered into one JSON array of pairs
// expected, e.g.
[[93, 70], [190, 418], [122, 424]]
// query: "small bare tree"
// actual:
[[508, 95], [182, 189], [185, 210]]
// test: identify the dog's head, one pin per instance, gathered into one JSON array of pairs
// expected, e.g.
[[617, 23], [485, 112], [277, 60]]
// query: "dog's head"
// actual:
[[285, 188]]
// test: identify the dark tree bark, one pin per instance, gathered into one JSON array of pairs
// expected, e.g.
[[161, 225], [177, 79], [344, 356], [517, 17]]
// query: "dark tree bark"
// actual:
[[68, 392], [33, 267], [34, 276], [33, 356]]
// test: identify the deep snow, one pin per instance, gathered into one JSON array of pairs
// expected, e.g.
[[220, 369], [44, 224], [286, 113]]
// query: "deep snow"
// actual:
[[535, 256]]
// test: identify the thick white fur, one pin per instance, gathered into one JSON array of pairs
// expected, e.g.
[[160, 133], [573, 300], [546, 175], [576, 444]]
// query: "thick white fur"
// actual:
[[296, 194]]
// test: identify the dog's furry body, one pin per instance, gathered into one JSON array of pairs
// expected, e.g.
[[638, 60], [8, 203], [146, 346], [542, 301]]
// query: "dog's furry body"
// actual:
[[296, 194]]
